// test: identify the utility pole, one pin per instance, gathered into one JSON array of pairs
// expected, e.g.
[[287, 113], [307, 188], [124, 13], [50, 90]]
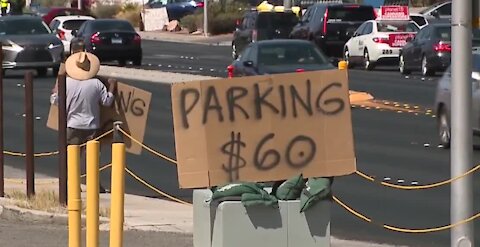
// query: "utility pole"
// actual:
[[287, 5], [461, 199], [205, 18]]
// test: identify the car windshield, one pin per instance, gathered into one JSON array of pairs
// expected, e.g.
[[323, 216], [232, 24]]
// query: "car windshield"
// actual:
[[289, 54], [396, 26], [350, 13], [276, 20], [101, 26], [23, 27], [73, 24]]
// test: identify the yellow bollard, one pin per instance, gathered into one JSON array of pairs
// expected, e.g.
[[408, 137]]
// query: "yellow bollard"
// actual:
[[343, 65], [93, 185], [117, 193], [74, 200]]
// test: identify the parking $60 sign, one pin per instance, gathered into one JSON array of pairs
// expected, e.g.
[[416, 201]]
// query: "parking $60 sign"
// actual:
[[262, 128]]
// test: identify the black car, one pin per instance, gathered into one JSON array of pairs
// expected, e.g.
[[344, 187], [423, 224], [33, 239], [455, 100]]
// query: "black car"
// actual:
[[111, 39], [28, 43], [330, 26], [256, 26], [430, 50], [279, 56]]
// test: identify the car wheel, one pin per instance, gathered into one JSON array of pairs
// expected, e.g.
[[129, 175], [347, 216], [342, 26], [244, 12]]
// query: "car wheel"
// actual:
[[234, 51], [426, 71], [346, 57], [401, 66], [367, 64], [137, 61], [42, 72], [444, 128]]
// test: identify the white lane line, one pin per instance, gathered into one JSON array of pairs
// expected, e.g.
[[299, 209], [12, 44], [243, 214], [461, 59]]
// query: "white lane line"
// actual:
[[387, 179], [414, 183], [400, 181]]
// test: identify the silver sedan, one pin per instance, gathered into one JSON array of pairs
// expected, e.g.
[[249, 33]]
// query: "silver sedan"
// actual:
[[28, 43]]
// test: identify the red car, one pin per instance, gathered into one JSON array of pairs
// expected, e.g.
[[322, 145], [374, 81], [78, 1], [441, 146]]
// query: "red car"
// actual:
[[61, 11]]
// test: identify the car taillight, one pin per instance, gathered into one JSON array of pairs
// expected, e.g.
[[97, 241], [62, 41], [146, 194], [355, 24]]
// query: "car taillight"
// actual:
[[137, 39], [381, 40], [61, 34], [299, 70], [325, 20], [200, 5], [254, 35], [441, 47], [95, 39], [230, 70]]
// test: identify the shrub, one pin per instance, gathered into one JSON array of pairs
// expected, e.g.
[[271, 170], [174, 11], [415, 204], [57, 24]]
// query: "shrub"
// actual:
[[189, 22], [223, 23], [131, 13], [106, 11]]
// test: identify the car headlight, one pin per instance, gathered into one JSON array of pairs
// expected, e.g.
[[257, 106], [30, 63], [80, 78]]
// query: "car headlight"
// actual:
[[10, 46]]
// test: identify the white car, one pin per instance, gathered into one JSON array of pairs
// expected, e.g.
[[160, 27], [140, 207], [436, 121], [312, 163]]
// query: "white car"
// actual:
[[62, 26], [378, 41]]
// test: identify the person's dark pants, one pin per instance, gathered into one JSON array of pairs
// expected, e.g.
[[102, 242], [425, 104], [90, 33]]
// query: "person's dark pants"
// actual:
[[79, 137], [4, 11]]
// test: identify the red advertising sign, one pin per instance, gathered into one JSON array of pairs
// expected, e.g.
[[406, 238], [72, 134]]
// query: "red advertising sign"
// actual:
[[399, 39], [394, 12]]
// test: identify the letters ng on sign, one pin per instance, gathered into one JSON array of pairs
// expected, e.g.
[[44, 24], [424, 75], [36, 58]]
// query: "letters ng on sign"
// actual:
[[263, 128]]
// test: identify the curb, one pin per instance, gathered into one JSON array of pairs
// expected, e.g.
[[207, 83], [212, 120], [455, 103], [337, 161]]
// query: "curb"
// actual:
[[13, 212], [198, 40]]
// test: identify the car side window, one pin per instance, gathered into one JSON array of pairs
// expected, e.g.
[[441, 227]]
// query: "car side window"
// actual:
[[368, 28], [360, 29], [306, 16], [445, 9], [54, 25]]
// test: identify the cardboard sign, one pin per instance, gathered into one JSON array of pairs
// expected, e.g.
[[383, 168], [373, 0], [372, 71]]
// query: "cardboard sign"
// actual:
[[263, 128], [131, 106], [155, 19], [394, 12], [399, 39]]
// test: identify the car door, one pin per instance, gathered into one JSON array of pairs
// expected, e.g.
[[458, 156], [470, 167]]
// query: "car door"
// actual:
[[362, 39], [353, 43], [240, 68], [418, 46]]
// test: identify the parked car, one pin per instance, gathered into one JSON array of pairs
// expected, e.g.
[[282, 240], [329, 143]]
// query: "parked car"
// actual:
[[176, 9], [430, 50], [63, 26], [443, 104], [256, 26], [330, 26], [279, 56], [378, 41], [28, 43], [60, 11], [438, 10], [111, 39]]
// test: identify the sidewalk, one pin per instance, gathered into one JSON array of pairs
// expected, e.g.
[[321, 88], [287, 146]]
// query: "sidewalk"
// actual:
[[184, 37]]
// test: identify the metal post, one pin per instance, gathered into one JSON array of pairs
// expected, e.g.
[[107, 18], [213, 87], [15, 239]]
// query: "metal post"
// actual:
[[461, 147], [62, 138], [74, 199], [205, 18], [118, 189], [93, 187], [29, 159], [2, 181], [79, 4]]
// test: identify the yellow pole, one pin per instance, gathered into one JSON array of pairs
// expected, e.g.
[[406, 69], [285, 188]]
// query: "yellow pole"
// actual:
[[74, 200], [93, 185], [117, 199], [342, 65]]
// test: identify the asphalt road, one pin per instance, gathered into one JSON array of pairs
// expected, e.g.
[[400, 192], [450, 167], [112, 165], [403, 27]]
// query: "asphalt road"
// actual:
[[23, 233], [401, 147]]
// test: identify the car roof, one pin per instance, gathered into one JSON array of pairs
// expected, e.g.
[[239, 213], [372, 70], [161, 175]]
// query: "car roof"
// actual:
[[73, 17]]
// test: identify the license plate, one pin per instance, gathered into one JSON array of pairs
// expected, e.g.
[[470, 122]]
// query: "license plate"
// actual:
[[117, 41]]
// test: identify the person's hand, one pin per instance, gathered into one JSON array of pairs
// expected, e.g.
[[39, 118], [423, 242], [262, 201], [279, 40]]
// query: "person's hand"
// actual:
[[112, 85], [55, 88]]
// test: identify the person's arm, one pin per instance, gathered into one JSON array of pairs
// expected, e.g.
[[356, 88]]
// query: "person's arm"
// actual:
[[107, 97]]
